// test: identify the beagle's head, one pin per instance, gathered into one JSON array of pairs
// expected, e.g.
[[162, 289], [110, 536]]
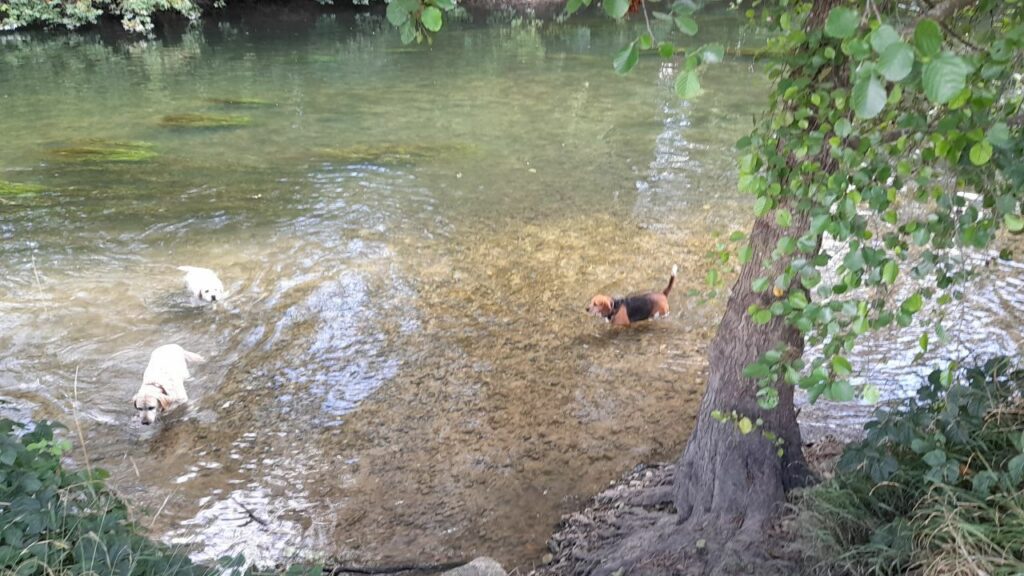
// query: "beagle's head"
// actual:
[[600, 305], [149, 402]]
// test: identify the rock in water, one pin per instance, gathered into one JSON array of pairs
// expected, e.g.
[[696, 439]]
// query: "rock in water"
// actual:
[[482, 566]]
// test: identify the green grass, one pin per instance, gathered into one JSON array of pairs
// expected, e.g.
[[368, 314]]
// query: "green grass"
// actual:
[[936, 488]]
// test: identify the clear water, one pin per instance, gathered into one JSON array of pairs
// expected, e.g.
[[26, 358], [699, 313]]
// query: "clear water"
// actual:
[[403, 370]]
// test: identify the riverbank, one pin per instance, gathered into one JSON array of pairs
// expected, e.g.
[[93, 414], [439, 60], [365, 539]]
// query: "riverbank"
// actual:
[[638, 497]]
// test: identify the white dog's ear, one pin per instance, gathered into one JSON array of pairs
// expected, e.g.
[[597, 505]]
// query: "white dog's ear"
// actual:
[[165, 403]]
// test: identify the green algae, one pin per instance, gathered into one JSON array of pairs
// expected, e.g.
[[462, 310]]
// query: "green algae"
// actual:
[[391, 153], [95, 151], [19, 189], [241, 102], [204, 121]]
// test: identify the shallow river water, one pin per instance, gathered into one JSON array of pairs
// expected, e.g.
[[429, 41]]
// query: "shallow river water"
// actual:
[[403, 370]]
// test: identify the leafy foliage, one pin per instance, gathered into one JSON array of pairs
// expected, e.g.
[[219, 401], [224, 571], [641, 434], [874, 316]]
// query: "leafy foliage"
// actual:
[[896, 145], [135, 15], [59, 521], [936, 484]]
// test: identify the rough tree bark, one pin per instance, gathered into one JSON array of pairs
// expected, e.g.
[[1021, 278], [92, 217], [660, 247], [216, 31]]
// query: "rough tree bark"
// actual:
[[728, 487]]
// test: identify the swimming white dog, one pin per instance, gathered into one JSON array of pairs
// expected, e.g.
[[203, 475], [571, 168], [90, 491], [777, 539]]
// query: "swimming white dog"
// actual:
[[203, 283], [163, 383]]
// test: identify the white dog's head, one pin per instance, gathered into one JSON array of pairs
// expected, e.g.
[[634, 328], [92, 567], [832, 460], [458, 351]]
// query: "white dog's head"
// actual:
[[150, 401], [210, 293]]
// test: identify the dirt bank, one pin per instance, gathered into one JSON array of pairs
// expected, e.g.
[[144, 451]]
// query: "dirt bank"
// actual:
[[630, 499]]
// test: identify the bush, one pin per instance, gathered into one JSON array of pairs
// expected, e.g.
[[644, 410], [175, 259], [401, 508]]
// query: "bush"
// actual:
[[934, 488], [57, 521]]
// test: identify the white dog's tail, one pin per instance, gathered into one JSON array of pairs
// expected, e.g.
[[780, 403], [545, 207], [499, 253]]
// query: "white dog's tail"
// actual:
[[192, 357]]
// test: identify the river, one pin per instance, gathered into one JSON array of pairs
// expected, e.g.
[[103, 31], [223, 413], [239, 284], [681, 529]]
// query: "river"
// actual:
[[403, 370]]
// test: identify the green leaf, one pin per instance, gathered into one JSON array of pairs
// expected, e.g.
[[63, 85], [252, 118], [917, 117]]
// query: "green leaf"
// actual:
[[760, 284], [762, 317], [767, 398], [843, 128], [841, 366], [666, 49], [913, 304], [1016, 468], [999, 135], [981, 153], [870, 394], [712, 53], [762, 206], [944, 77], [868, 97], [756, 370], [616, 8], [935, 458], [408, 31], [1013, 223], [444, 4], [841, 23], [627, 58], [889, 272], [783, 218], [572, 6], [883, 37], [928, 38], [896, 62], [840, 391], [745, 254], [398, 11], [431, 18], [686, 24], [688, 85], [745, 425]]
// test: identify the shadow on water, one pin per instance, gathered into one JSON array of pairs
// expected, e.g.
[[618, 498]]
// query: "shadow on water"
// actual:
[[403, 369]]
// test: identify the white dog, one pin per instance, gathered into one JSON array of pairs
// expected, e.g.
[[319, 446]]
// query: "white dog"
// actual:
[[203, 283], [163, 383]]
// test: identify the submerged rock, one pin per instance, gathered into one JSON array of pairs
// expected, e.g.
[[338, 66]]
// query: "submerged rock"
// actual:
[[482, 566], [92, 151], [204, 121], [18, 189]]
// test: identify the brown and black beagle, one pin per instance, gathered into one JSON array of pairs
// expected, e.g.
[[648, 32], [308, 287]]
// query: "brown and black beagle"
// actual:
[[622, 311]]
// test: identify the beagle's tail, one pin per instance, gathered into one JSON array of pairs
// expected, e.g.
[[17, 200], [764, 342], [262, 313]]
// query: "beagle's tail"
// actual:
[[671, 280]]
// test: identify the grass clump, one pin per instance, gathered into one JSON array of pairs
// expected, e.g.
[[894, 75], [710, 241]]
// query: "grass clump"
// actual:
[[204, 121], [58, 521], [19, 189], [935, 488]]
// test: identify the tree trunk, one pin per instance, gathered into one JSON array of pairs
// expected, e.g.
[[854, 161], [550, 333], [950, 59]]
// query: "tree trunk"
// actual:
[[722, 472]]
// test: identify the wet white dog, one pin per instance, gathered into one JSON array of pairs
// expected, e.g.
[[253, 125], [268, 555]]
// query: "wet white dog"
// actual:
[[163, 383], [203, 283]]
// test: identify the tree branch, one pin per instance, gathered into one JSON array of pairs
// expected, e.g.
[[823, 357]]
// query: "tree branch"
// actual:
[[943, 10]]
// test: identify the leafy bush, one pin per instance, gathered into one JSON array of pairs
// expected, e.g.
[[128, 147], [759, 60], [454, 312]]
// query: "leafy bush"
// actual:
[[56, 521], [934, 488]]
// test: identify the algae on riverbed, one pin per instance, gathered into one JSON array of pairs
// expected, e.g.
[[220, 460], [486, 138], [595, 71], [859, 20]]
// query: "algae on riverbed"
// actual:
[[204, 121], [241, 102], [18, 189], [391, 153], [97, 150]]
